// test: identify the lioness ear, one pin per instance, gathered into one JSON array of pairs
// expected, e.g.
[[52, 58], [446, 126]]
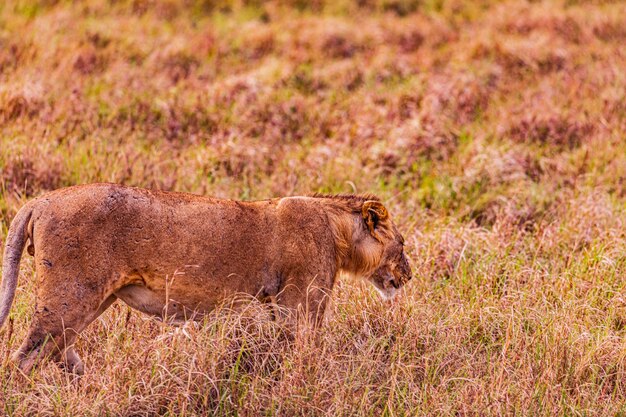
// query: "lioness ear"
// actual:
[[373, 213]]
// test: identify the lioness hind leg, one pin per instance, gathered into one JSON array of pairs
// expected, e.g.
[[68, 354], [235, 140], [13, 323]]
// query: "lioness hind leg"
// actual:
[[54, 329], [70, 360]]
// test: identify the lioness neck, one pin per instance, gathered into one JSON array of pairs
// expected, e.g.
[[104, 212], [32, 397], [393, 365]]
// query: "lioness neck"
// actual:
[[356, 253]]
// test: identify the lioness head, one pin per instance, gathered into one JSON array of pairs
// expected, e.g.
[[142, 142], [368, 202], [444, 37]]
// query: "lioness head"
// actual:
[[375, 247], [383, 240]]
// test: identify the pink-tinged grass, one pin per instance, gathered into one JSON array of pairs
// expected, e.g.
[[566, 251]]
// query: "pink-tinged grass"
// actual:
[[494, 132]]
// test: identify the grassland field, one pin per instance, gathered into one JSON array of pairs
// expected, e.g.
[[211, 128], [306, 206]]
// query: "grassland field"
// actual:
[[495, 133]]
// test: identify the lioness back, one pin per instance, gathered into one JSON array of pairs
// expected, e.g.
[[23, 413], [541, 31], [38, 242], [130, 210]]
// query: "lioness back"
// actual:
[[222, 246]]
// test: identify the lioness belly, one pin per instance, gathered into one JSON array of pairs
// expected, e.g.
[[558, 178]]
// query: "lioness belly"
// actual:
[[152, 302]]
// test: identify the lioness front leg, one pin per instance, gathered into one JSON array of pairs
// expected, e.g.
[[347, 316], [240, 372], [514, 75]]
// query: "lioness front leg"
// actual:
[[302, 306]]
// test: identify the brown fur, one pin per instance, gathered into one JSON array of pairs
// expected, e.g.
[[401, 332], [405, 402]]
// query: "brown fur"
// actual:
[[95, 243]]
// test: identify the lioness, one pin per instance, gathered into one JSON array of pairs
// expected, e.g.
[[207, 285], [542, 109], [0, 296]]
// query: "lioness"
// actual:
[[96, 243]]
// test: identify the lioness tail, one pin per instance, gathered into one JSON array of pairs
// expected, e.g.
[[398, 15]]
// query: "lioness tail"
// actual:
[[15, 242]]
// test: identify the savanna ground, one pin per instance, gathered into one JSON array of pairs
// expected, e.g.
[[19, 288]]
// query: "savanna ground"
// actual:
[[494, 132]]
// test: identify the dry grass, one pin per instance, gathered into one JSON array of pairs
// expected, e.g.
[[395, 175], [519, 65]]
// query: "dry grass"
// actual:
[[494, 132]]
